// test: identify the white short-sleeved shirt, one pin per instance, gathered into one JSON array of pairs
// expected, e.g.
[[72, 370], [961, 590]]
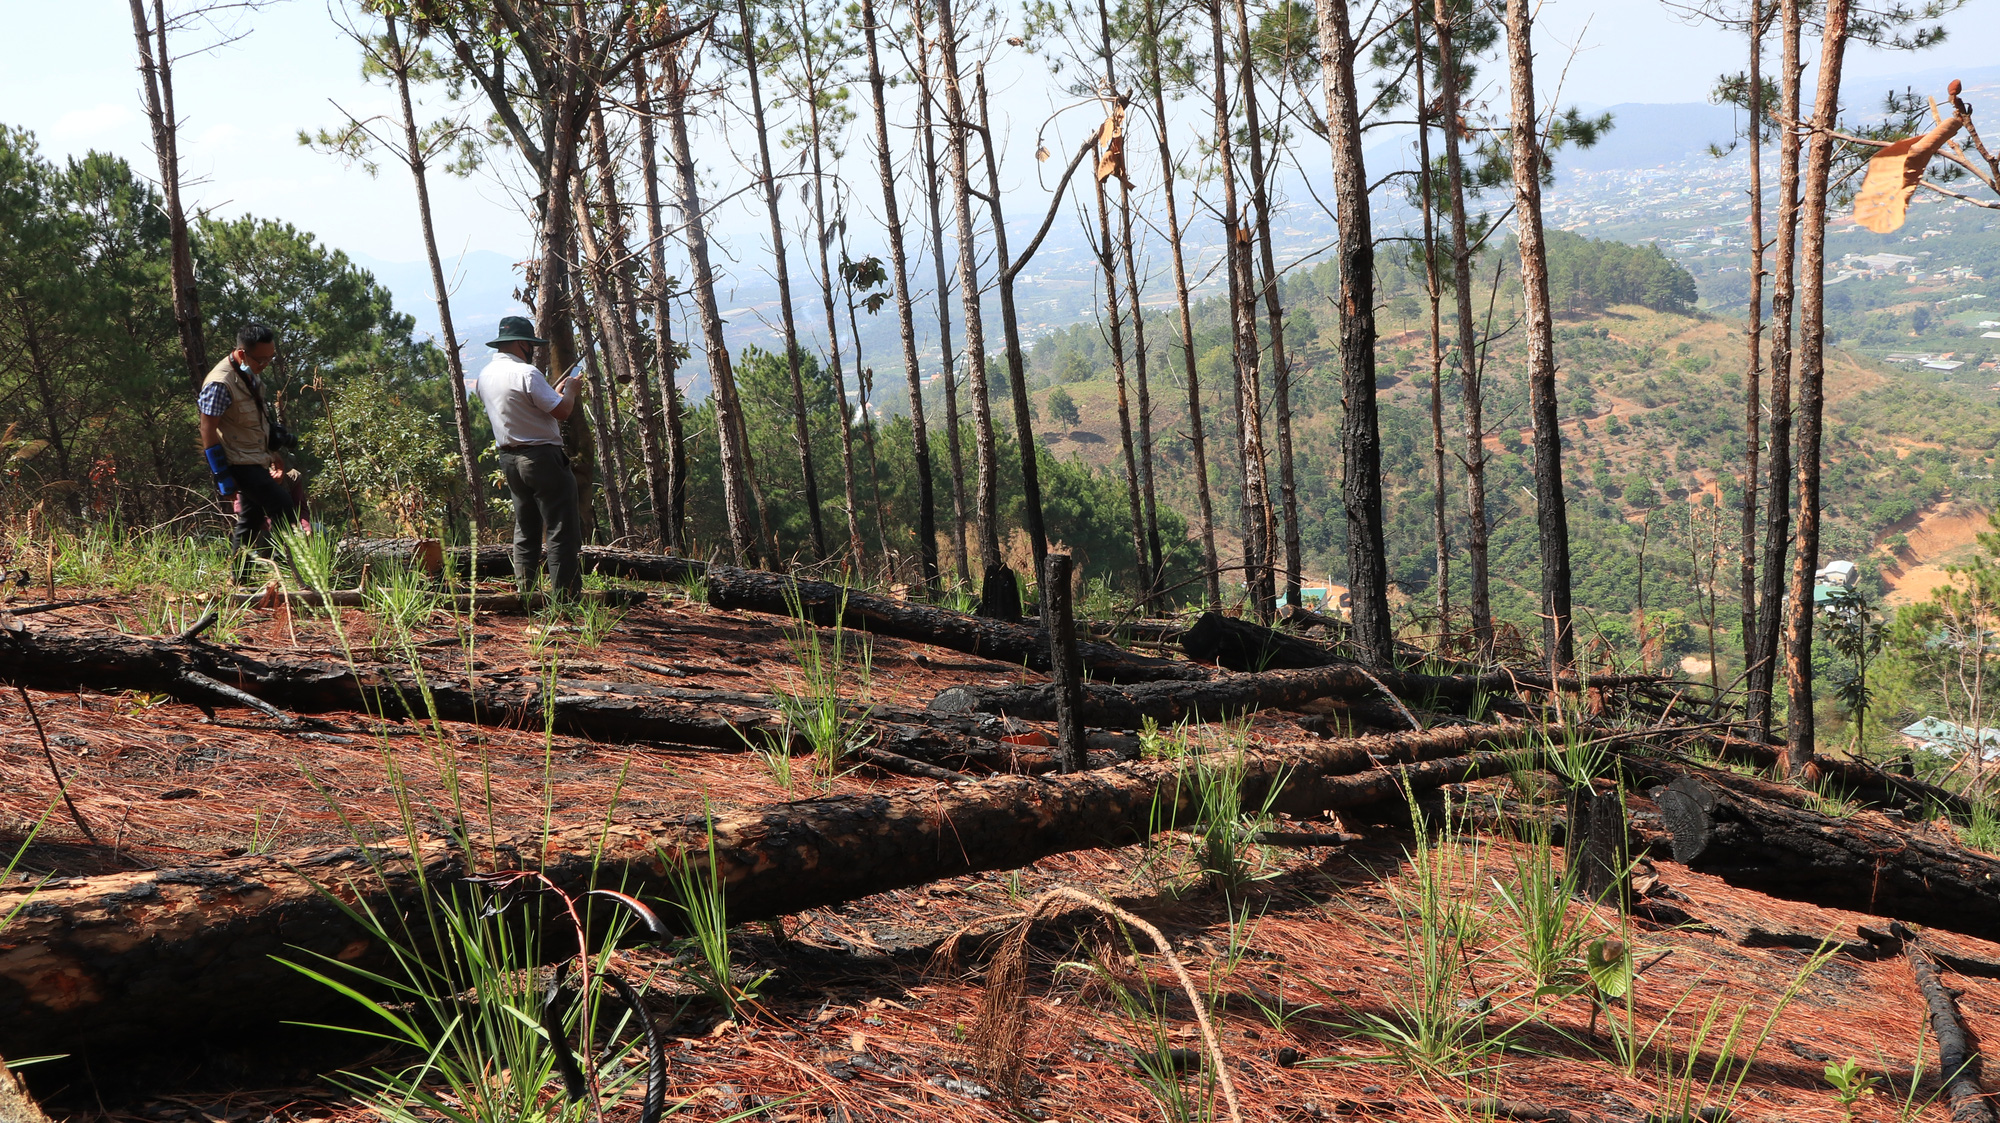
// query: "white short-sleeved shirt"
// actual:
[[518, 400]]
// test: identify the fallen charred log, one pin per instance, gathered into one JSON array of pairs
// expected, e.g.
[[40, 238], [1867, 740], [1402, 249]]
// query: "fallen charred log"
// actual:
[[1242, 645], [825, 603], [207, 675], [1723, 827], [1126, 707], [498, 561], [1958, 1054], [93, 961]]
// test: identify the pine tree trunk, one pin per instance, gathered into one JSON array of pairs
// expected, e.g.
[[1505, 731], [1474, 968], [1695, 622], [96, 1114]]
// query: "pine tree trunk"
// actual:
[[948, 372], [1156, 556], [736, 498], [1480, 600], [675, 467], [920, 443], [1010, 330], [1433, 288], [608, 467], [1281, 371], [157, 68], [591, 277], [1197, 443], [1361, 485], [1551, 514], [554, 297], [1763, 671], [768, 188], [968, 290], [1149, 558], [468, 457], [1116, 330], [1255, 499], [1812, 388], [864, 381], [1754, 331], [628, 323]]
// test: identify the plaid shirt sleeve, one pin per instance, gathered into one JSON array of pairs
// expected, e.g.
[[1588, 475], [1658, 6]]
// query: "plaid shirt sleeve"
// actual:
[[214, 400]]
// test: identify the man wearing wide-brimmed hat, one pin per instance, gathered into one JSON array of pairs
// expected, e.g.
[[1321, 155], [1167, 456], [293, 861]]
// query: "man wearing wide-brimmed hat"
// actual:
[[527, 415]]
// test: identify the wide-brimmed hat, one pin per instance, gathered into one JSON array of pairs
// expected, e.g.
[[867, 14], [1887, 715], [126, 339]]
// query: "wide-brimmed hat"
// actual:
[[517, 329]]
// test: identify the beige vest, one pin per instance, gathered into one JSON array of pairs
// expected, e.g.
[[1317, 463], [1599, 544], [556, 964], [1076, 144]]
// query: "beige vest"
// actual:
[[244, 428]]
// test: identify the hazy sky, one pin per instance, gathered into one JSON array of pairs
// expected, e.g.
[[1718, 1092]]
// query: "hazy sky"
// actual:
[[70, 78]]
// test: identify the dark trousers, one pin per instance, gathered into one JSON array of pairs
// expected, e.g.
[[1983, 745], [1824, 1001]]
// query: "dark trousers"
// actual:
[[545, 507], [267, 505]]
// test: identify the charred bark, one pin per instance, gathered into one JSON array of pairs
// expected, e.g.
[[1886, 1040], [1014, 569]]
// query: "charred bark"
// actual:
[[105, 960], [920, 441], [1761, 675], [1551, 510], [1726, 828], [1127, 707], [823, 603], [1799, 609], [1360, 431]]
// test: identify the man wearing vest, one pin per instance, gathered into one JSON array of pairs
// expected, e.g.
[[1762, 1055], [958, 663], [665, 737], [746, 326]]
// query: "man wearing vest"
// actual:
[[236, 438], [527, 416]]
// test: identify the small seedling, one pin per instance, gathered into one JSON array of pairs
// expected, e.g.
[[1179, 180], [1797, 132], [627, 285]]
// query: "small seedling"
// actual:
[[1850, 1084]]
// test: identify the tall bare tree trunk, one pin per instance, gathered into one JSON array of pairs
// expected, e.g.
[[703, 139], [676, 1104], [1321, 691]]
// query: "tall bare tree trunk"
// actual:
[[627, 326], [1434, 290], [1812, 387], [670, 508], [768, 188], [1361, 438], [1156, 559], [1480, 601], [608, 467], [468, 459], [1281, 370], [554, 309], [920, 442], [959, 134], [736, 498], [1149, 558], [1197, 444], [864, 381], [1010, 328], [1763, 669], [1551, 512], [948, 364], [156, 66], [1114, 324], [1255, 500], [1754, 331]]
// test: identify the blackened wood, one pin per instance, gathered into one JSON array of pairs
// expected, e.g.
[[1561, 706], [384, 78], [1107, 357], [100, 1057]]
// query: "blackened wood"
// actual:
[[1958, 1052], [1688, 809], [1861, 863], [1600, 846], [1000, 595], [1761, 673], [1126, 707], [823, 602], [187, 950], [497, 561], [1065, 666], [1551, 511], [1244, 645], [1799, 608], [1360, 430]]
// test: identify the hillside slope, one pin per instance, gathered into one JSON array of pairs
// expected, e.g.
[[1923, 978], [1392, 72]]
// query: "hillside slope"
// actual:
[[1653, 425]]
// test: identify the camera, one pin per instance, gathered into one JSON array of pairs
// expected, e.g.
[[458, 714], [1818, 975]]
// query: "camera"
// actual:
[[281, 439]]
